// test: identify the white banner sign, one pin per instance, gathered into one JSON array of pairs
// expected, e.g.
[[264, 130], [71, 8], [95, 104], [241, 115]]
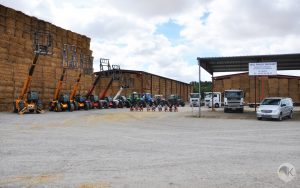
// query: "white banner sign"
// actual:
[[264, 68]]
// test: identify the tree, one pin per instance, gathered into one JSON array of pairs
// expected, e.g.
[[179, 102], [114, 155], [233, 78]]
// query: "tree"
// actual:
[[206, 86]]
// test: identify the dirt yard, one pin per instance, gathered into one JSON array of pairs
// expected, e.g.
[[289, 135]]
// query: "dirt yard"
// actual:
[[118, 148]]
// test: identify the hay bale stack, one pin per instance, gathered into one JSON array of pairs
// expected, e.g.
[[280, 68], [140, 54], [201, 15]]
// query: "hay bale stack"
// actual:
[[16, 55]]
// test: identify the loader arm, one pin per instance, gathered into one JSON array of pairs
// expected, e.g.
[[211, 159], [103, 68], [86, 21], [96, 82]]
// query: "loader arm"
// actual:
[[93, 86], [59, 85], [75, 87], [103, 94], [28, 80], [118, 93]]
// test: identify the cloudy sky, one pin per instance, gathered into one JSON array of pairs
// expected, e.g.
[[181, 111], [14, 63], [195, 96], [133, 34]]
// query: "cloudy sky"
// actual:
[[165, 37]]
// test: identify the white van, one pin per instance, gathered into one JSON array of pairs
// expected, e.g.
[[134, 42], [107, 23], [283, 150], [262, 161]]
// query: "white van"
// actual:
[[275, 108]]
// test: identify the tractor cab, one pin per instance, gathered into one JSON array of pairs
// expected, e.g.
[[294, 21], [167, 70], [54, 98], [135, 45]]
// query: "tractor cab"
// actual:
[[79, 98], [64, 98], [32, 96]]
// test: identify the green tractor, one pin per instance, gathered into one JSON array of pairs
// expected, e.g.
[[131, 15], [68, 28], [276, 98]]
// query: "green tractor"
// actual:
[[136, 99], [175, 100]]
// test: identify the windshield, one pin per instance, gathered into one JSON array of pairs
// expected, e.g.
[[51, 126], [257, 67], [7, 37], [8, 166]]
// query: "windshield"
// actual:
[[194, 95], [233, 94], [271, 102], [208, 95]]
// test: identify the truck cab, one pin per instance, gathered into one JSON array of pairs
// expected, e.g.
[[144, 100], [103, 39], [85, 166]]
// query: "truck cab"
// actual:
[[194, 99], [215, 100], [234, 100]]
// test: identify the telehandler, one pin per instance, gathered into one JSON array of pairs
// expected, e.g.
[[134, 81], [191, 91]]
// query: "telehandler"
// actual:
[[61, 102], [28, 101], [78, 100]]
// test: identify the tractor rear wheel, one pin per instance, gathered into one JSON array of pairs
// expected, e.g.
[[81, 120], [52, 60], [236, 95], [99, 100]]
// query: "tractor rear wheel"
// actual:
[[75, 105], [58, 108], [86, 106], [15, 108], [21, 105], [99, 105], [71, 107]]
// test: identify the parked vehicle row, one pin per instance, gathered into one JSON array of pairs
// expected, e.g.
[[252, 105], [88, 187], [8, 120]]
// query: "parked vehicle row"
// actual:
[[270, 108]]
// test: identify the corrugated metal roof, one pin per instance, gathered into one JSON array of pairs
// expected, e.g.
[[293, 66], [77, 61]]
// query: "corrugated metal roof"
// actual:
[[240, 63]]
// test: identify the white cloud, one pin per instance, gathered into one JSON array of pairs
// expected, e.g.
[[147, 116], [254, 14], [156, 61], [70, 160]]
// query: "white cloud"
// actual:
[[124, 30]]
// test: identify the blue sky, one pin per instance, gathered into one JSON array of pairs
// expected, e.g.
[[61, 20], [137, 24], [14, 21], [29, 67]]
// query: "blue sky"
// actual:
[[171, 30]]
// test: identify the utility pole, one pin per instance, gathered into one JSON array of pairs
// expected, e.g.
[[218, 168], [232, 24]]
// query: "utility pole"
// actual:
[[199, 112]]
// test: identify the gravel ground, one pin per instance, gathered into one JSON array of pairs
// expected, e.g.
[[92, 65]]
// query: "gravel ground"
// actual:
[[118, 148]]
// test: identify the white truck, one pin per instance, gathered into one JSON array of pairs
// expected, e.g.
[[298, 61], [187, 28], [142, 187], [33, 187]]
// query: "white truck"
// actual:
[[234, 100], [215, 101], [194, 99]]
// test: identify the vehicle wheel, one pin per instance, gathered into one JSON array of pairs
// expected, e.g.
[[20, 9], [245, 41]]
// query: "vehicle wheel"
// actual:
[[75, 105], [39, 106], [21, 105], [51, 106], [280, 117], [259, 118], [242, 110], [120, 104], [217, 105], [15, 110], [71, 107], [291, 115], [90, 105], [86, 106], [58, 108], [99, 105]]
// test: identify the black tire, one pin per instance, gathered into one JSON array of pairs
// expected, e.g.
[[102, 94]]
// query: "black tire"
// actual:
[[242, 110], [280, 117], [21, 105], [58, 107], [291, 115], [259, 118], [75, 105], [120, 104], [90, 105], [71, 107], [39, 106], [15, 110], [99, 105], [51, 106], [217, 105], [86, 106]]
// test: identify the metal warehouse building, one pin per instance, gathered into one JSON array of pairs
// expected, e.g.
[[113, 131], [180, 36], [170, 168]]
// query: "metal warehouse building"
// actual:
[[143, 82]]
